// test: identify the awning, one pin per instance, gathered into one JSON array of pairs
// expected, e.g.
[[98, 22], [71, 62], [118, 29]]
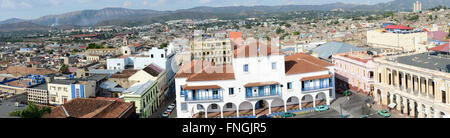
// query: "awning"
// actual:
[[316, 77], [201, 87], [261, 84], [392, 105]]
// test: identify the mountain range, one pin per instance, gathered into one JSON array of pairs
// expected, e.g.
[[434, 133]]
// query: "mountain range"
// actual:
[[112, 16]]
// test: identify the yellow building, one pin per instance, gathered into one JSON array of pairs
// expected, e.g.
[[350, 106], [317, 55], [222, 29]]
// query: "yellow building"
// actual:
[[416, 85], [218, 51]]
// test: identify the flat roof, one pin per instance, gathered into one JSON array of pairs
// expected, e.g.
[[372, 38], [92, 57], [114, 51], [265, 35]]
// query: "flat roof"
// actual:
[[40, 86], [428, 60], [6, 107], [63, 81]]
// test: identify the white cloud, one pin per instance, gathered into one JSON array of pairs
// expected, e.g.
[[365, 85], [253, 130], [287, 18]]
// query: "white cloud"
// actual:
[[127, 4]]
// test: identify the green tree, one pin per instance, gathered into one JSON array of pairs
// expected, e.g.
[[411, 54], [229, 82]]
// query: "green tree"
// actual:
[[296, 33], [163, 45], [31, 111]]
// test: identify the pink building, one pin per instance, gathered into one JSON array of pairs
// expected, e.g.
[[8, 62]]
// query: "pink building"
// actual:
[[355, 71]]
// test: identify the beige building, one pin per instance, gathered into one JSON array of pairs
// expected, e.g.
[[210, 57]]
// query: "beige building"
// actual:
[[218, 51], [417, 41], [103, 52], [413, 85], [64, 90]]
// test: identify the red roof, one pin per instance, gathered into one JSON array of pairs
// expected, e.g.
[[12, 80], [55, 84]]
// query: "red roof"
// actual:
[[443, 48], [398, 27]]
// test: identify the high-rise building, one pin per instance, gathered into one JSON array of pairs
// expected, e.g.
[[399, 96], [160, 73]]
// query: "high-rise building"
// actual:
[[417, 6]]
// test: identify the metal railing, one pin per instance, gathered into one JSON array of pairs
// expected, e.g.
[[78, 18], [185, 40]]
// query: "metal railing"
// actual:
[[203, 98], [317, 87], [262, 94]]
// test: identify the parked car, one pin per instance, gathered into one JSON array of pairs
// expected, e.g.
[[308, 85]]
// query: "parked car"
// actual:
[[384, 113], [287, 114], [321, 108], [264, 116], [165, 114], [347, 93], [171, 106]]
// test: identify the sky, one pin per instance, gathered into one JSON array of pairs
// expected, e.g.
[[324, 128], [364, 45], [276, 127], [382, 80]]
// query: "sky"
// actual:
[[32, 9]]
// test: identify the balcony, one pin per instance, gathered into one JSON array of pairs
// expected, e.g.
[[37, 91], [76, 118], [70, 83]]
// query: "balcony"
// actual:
[[262, 92], [320, 87], [262, 95], [203, 95], [203, 98]]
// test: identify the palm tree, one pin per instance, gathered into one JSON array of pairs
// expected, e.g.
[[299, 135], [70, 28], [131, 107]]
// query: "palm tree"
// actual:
[[31, 111]]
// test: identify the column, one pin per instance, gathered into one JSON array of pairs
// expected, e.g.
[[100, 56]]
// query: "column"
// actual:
[[412, 110], [384, 98], [285, 109], [405, 105], [221, 112], [375, 94], [427, 87], [254, 112], [399, 104], [270, 106], [314, 102], [420, 110], [237, 111]]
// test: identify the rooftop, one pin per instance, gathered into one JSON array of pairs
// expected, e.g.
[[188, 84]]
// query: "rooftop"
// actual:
[[428, 60], [90, 108]]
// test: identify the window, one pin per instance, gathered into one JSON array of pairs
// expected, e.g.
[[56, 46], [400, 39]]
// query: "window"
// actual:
[[229, 105], [151, 55], [183, 106], [289, 85], [246, 68], [214, 106], [162, 55], [77, 93], [274, 65], [231, 91]]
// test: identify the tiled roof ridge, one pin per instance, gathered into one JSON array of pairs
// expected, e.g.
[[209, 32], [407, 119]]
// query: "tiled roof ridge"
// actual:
[[98, 111]]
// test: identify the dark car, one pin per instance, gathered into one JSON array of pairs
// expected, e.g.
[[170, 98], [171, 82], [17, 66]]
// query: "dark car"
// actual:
[[264, 116]]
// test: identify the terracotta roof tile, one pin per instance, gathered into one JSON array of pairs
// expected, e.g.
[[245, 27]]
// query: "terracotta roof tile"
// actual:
[[91, 108], [302, 63]]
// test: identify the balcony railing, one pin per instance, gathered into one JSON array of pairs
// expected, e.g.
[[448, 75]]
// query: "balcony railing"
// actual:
[[261, 94], [203, 98], [317, 87]]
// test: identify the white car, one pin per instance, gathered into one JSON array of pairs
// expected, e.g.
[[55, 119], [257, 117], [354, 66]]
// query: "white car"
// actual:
[[171, 106], [165, 114]]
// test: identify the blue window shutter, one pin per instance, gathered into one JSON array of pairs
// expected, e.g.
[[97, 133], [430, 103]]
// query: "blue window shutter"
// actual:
[[82, 91], [72, 88]]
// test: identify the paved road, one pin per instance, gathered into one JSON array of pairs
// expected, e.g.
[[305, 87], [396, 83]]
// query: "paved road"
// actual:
[[356, 106], [326, 114], [163, 108]]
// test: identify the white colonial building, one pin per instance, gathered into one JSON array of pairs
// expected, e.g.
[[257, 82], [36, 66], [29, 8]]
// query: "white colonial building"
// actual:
[[256, 83]]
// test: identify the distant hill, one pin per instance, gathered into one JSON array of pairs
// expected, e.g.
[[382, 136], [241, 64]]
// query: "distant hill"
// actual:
[[22, 26], [120, 16], [403, 5], [12, 20]]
